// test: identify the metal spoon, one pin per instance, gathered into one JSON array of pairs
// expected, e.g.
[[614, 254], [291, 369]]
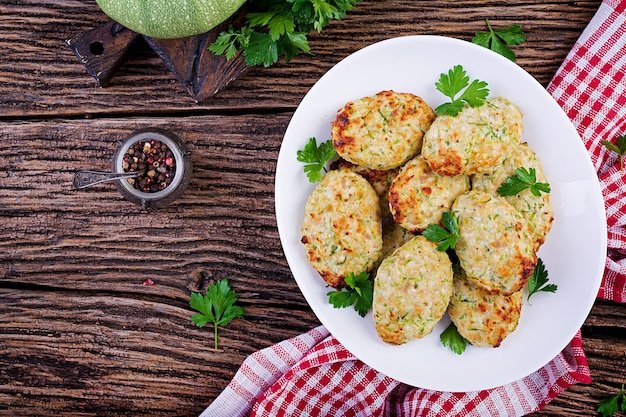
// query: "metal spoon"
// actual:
[[83, 179]]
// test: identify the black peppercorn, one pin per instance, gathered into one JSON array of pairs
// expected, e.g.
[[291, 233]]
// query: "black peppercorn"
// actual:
[[144, 157], [161, 163]]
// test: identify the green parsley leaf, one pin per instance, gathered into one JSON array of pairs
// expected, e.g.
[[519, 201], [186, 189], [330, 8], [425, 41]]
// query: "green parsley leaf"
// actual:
[[261, 48], [498, 40], [217, 306], [446, 235], [609, 406], [278, 28], [538, 281], [292, 44], [278, 23], [452, 338], [315, 157], [457, 82], [229, 42], [521, 180], [619, 148], [359, 292]]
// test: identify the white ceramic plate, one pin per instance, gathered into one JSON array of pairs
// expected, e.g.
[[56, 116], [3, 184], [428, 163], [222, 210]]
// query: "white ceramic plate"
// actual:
[[574, 252]]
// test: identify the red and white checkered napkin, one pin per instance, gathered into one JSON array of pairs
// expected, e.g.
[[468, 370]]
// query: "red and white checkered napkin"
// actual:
[[314, 375], [591, 87]]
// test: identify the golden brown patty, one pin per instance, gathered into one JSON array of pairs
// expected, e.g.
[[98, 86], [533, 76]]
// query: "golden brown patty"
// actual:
[[484, 318], [342, 230], [537, 210], [411, 291], [383, 131], [418, 196], [380, 180], [474, 141], [494, 245], [394, 236]]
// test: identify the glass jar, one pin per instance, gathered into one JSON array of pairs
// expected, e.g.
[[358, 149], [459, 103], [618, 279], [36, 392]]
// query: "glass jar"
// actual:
[[164, 172]]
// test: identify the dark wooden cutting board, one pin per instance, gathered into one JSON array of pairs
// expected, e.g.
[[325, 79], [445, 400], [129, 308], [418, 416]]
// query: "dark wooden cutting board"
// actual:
[[202, 74]]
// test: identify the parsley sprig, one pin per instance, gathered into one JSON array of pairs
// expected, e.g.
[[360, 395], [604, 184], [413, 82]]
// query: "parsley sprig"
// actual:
[[499, 40], [217, 306], [278, 28], [521, 180], [452, 338], [457, 87], [315, 157], [538, 281], [619, 147], [609, 406], [358, 292], [445, 235]]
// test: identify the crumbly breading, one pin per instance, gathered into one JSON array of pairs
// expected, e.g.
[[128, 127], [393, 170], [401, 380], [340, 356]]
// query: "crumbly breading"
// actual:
[[383, 131], [411, 291], [342, 227], [418, 196], [475, 141], [494, 245]]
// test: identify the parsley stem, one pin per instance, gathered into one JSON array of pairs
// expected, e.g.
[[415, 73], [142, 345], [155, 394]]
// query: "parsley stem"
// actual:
[[489, 25], [215, 334]]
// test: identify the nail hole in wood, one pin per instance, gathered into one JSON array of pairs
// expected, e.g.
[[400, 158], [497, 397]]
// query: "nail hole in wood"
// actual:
[[96, 48]]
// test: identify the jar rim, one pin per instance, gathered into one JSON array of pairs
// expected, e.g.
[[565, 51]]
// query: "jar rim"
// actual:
[[144, 136]]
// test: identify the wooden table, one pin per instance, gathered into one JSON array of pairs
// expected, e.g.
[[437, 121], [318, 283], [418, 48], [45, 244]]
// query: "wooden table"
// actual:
[[80, 333]]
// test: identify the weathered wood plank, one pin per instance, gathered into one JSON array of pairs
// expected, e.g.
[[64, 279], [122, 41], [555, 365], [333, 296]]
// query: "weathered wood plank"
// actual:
[[80, 353], [29, 86], [81, 335], [115, 353], [224, 220], [604, 342]]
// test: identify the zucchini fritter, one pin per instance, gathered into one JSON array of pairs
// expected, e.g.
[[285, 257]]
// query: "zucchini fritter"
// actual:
[[484, 318], [342, 227], [379, 180], [494, 245], [411, 291], [475, 141], [537, 210], [394, 236], [418, 196], [382, 131]]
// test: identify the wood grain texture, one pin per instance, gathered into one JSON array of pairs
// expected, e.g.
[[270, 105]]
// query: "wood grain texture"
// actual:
[[33, 34], [77, 321], [80, 335], [103, 49]]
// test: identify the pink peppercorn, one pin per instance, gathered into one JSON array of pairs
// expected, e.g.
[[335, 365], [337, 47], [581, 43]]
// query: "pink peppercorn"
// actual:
[[146, 158]]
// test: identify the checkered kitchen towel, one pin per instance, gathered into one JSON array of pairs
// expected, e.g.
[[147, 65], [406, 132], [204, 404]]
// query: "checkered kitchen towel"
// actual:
[[314, 375], [591, 87]]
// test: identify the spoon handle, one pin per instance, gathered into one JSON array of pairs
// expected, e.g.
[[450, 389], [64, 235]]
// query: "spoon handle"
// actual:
[[83, 179]]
